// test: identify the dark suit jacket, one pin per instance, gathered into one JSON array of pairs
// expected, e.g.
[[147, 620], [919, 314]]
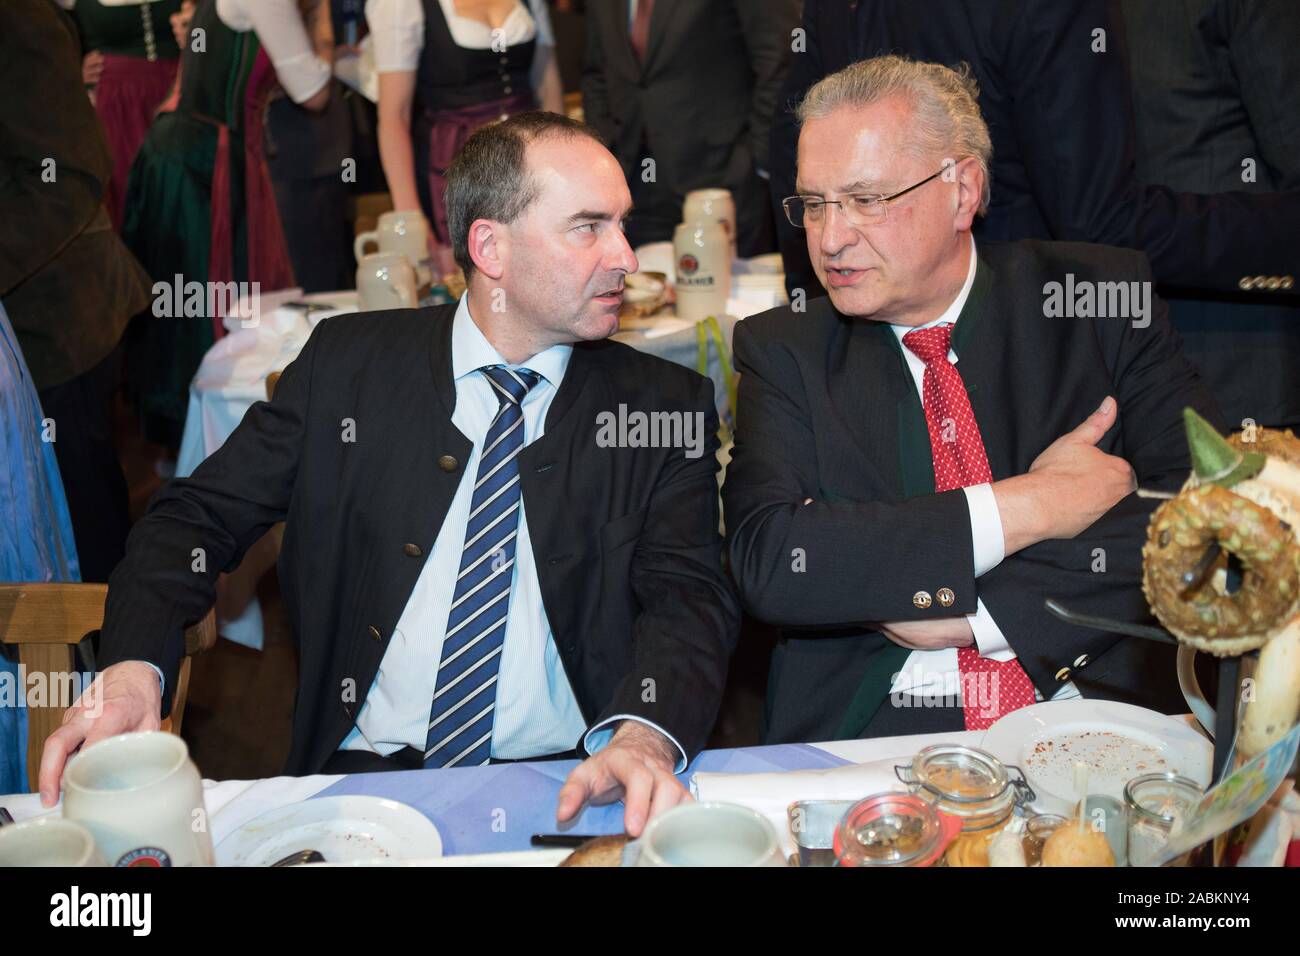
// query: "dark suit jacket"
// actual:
[[1061, 122], [1216, 83], [66, 280], [828, 410], [625, 539], [704, 97]]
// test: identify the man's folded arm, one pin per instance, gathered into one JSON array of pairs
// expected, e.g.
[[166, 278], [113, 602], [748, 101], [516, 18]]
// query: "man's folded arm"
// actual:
[[200, 526], [828, 562], [688, 619], [1099, 572]]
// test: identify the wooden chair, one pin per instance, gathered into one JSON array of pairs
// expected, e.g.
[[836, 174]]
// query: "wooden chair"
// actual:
[[271, 381], [45, 622]]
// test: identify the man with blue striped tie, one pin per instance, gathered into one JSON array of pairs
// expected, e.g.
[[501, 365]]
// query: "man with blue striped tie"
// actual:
[[485, 574]]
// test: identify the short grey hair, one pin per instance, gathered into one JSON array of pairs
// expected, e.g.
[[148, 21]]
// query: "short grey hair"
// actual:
[[489, 178], [945, 109]]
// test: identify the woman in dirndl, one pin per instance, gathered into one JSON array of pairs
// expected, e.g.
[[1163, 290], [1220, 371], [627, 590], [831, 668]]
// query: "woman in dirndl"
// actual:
[[447, 67], [129, 59]]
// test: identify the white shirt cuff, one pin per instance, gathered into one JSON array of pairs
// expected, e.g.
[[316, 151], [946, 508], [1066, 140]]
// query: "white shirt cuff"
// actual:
[[987, 544], [989, 640], [162, 684], [598, 736]]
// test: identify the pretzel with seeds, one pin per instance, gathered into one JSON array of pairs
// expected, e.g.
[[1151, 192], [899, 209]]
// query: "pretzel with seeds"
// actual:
[[1241, 506]]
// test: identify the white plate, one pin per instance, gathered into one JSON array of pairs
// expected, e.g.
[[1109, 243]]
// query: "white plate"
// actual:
[[1117, 741], [343, 829]]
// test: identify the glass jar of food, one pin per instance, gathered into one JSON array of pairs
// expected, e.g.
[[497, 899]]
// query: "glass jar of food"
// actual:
[[967, 783], [893, 829], [1037, 829], [1155, 802]]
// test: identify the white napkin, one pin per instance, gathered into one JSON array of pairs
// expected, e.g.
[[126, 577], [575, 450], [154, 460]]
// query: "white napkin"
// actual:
[[243, 315], [772, 793]]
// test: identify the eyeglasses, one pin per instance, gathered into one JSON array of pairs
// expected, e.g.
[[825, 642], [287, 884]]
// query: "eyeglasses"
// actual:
[[860, 209]]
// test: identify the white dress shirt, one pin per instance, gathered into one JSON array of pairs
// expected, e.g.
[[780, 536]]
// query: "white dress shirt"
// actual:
[[536, 711], [281, 31], [935, 673], [398, 30]]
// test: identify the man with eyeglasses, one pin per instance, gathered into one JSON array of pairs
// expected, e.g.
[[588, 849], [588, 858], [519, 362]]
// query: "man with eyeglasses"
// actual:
[[926, 455]]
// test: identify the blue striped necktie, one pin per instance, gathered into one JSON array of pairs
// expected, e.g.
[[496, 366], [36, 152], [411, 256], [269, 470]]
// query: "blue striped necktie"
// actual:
[[464, 698]]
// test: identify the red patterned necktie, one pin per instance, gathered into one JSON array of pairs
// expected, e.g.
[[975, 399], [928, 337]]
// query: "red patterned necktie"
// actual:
[[641, 28], [993, 687]]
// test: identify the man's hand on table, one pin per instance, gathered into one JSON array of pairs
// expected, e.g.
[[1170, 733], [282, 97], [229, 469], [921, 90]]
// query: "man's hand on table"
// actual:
[[637, 766], [124, 698]]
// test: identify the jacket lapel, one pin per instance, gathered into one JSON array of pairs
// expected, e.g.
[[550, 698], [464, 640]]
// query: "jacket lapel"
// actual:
[[915, 459], [662, 22], [867, 380], [575, 376], [979, 339], [425, 487]]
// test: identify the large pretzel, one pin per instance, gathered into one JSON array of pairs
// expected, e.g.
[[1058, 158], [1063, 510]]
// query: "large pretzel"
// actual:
[[1245, 501]]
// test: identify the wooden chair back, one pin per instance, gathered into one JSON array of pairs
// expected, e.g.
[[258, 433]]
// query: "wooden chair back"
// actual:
[[46, 622]]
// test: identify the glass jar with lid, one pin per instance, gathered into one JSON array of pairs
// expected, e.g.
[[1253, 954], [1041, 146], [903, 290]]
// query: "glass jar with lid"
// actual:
[[893, 829], [970, 784], [1156, 802]]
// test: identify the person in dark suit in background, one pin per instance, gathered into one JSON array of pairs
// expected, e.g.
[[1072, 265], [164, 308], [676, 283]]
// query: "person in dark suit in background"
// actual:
[[1053, 90], [68, 283], [926, 455], [305, 150], [1216, 90], [691, 85], [568, 596]]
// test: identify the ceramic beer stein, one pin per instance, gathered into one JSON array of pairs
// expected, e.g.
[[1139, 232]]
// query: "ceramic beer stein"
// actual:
[[404, 233], [702, 262], [712, 205], [48, 841], [386, 280], [141, 798]]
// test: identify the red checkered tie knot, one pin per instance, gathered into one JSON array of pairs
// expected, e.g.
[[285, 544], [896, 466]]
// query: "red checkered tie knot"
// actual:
[[989, 688]]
